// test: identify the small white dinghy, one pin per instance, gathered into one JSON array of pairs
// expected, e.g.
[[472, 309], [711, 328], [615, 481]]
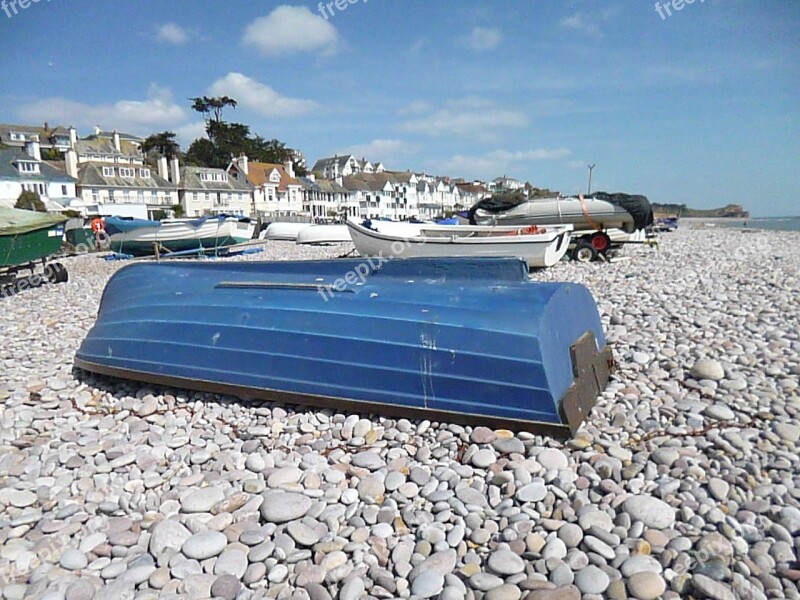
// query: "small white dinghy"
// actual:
[[283, 231], [324, 234], [538, 246]]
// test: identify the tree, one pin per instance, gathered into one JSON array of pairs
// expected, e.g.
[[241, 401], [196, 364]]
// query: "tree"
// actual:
[[28, 200], [212, 104], [177, 210], [164, 143]]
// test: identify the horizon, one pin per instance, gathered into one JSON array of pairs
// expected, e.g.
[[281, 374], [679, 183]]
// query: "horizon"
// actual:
[[696, 105]]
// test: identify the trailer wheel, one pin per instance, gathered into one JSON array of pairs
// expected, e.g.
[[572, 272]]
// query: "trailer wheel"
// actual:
[[56, 273], [600, 241], [584, 252]]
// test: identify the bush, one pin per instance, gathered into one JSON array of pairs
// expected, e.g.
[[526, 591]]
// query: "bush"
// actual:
[[28, 200]]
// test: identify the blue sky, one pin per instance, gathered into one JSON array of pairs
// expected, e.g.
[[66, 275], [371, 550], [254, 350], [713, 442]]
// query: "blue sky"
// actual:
[[701, 107]]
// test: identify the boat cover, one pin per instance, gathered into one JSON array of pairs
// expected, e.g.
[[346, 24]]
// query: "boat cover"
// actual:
[[459, 339], [14, 221], [114, 225], [638, 206]]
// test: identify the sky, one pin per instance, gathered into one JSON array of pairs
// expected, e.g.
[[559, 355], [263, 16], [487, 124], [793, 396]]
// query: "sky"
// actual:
[[698, 105]]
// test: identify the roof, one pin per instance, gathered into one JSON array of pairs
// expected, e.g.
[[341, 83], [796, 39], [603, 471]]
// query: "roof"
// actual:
[[323, 163], [8, 170], [471, 188], [91, 175], [323, 185], [258, 174], [44, 134], [99, 145], [122, 136], [191, 180]]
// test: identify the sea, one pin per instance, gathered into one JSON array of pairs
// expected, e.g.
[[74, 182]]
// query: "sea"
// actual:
[[777, 223]]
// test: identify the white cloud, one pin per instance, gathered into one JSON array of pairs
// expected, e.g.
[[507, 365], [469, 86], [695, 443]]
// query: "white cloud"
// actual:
[[290, 30], [172, 33], [416, 107], [496, 163], [259, 97], [484, 38], [132, 116], [474, 117], [383, 150], [582, 23]]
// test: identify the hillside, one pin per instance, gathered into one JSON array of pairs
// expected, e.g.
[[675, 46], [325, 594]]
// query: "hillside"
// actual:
[[733, 211]]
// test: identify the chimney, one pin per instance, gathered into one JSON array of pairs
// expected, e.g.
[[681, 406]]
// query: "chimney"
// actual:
[[289, 166], [311, 177], [73, 137], [46, 126], [175, 171], [71, 163], [32, 147], [241, 162], [116, 142], [163, 168], [97, 130]]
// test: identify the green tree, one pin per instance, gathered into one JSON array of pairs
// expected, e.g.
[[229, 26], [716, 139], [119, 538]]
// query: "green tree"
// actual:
[[164, 143], [177, 210], [28, 200], [208, 105]]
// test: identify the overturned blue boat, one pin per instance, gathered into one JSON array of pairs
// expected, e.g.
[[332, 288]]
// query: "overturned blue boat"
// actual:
[[463, 340]]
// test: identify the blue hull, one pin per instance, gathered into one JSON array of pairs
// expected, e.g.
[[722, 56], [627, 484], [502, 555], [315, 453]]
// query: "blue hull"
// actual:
[[464, 339]]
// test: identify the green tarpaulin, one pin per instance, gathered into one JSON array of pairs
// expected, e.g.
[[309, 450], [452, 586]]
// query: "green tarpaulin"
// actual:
[[15, 222]]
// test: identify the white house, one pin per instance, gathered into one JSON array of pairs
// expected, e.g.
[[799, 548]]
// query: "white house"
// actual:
[[110, 170], [49, 138], [24, 170], [276, 191], [389, 194], [328, 200], [344, 166], [205, 191]]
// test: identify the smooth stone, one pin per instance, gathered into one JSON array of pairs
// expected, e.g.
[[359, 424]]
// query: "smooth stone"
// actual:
[[505, 562], [646, 585], [167, 535], [206, 544], [484, 581], [302, 534], [712, 589], [73, 559], [426, 585], [233, 562], [483, 458], [226, 587], [353, 589], [551, 458], [281, 507], [592, 580], [533, 492], [202, 500], [707, 368], [651, 511]]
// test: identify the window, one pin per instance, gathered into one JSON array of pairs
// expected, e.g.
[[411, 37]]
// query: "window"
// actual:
[[140, 196], [108, 171], [63, 190], [28, 167], [111, 196], [96, 196], [17, 137], [144, 173], [123, 172]]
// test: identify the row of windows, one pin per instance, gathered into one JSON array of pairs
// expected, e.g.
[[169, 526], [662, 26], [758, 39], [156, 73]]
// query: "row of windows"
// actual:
[[39, 188], [28, 167], [214, 176], [126, 172]]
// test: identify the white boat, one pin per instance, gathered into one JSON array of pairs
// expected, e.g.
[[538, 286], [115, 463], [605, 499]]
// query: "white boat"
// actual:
[[283, 231], [324, 234], [598, 212], [140, 237], [539, 247]]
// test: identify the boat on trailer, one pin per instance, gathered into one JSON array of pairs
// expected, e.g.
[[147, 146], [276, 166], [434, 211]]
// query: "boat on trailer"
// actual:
[[140, 237], [462, 340], [538, 246], [27, 240]]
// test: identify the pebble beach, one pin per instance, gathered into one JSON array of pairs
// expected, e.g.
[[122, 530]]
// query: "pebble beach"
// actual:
[[684, 482]]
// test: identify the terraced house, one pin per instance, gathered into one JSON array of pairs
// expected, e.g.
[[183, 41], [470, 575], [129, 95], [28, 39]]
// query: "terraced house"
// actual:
[[206, 191], [111, 171], [24, 170], [276, 190]]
